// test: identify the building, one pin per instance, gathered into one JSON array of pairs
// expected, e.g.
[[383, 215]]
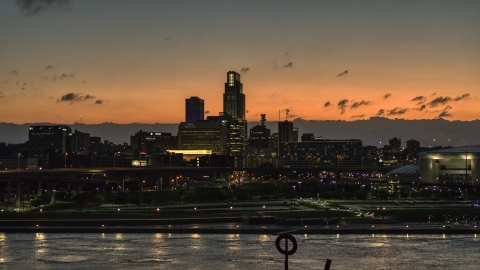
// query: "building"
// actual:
[[194, 109], [203, 135], [80, 141], [56, 138], [321, 154], [233, 98], [286, 132], [459, 165], [395, 144], [236, 133], [259, 135], [152, 142]]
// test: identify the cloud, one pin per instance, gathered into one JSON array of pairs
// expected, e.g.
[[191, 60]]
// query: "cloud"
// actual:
[[244, 70], [247, 111], [462, 97], [342, 104], [397, 111], [358, 104], [274, 65], [343, 73], [66, 76], [207, 112], [289, 65], [327, 104], [418, 98], [49, 67], [381, 112], [13, 72], [1, 95], [74, 97], [444, 114], [387, 95], [99, 101], [358, 116], [32, 7], [166, 39], [439, 101], [423, 107]]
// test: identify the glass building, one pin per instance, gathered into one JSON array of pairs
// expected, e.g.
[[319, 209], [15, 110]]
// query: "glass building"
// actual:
[[194, 109], [233, 98]]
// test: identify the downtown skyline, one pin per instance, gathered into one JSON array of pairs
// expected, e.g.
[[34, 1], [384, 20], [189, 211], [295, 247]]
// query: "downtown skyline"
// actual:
[[137, 62]]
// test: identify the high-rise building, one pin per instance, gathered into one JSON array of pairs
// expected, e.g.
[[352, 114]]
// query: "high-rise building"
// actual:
[[194, 109], [233, 98], [286, 132]]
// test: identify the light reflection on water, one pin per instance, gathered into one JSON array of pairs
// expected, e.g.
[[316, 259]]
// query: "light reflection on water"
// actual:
[[234, 251]]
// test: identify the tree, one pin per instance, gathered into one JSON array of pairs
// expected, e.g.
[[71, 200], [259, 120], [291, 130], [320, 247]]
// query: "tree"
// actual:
[[35, 202]]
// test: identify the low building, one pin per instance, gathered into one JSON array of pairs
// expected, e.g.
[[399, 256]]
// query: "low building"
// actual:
[[459, 165]]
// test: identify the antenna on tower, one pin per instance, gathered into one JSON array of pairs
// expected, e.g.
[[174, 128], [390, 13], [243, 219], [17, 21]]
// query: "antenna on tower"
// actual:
[[81, 124], [287, 111], [263, 119]]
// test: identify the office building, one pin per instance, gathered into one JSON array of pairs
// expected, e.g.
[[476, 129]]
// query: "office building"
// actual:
[[203, 135], [233, 98], [194, 110], [56, 138], [152, 142]]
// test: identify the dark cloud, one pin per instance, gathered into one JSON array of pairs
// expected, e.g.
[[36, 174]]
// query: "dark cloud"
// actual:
[[462, 97], [74, 97], [207, 112], [99, 101], [439, 101], [381, 112], [65, 76], [292, 115], [246, 111], [327, 104], [289, 65], [444, 114], [32, 7], [274, 65], [1, 95], [358, 116], [342, 104], [13, 72], [418, 98], [387, 95], [358, 104], [49, 67], [397, 111], [423, 107], [343, 73], [244, 70]]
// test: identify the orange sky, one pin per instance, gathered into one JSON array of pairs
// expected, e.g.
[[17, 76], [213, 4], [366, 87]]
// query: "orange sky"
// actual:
[[125, 61]]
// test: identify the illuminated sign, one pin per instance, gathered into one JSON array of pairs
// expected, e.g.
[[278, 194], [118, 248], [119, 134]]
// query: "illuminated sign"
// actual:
[[143, 153], [139, 163]]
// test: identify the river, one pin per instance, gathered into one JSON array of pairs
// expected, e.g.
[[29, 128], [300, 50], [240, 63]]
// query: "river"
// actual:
[[234, 251]]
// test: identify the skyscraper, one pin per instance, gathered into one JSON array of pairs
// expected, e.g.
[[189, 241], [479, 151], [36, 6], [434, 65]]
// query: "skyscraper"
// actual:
[[194, 108], [233, 98]]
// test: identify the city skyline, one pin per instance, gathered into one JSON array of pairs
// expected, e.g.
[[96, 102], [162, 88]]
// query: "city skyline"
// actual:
[[136, 62]]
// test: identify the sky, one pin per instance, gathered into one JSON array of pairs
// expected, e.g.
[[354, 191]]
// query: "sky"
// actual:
[[89, 61]]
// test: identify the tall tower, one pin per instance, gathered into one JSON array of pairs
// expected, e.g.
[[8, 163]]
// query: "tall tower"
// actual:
[[233, 98], [194, 108]]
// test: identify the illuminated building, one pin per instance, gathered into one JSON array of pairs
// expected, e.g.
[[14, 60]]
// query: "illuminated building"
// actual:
[[80, 141], [286, 132], [203, 135], [459, 165], [233, 98], [194, 109]]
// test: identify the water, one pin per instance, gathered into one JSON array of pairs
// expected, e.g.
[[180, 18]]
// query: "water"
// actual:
[[234, 251]]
